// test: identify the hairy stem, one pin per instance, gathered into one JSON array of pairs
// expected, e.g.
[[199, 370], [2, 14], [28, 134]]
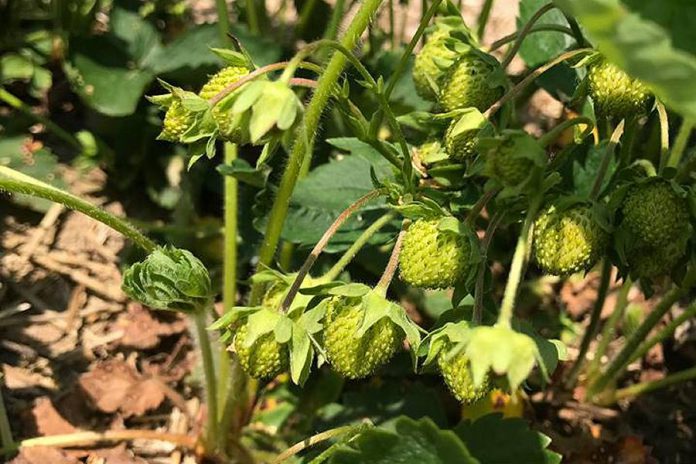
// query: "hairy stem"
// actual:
[[609, 330], [592, 328], [608, 155], [199, 319], [321, 244], [303, 147], [483, 18], [16, 182], [518, 263], [680, 143], [52, 127], [532, 77], [318, 438], [353, 250], [615, 368], [524, 32], [540, 28], [645, 387], [386, 279]]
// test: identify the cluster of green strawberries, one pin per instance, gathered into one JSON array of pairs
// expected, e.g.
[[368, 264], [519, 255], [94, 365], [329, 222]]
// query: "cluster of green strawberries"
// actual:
[[456, 74]]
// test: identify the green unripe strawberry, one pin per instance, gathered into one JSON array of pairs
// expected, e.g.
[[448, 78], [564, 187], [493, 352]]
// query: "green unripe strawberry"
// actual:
[[506, 168], [652, 262], [471, 82], [265, 358], [568, 241], [177, 120], [431, 152], [432, 258], [230, 125], [654, 212], [354, 357], [427, 74], [462, 146], [457, 374], [615, 94]]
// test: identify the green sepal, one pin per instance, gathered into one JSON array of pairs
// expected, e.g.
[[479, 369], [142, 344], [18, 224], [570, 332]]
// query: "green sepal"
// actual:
[[233, 58]]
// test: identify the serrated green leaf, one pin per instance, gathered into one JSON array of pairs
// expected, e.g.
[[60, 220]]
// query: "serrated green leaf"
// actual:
[[260, 323], [353, 290]]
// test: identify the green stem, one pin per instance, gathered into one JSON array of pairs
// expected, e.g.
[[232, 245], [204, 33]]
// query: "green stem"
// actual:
[[15, 181], [350, 253], [305, 137], [606, 160], [392, 27], [645, 387], [477, 314], [484, 16], [5, 429], [680, 143], [554, 133], [615, 367], [666, 331], [253, 17], [305, 16], [664, 134], [609, 330], [594, 324], [531, 77], [540, 28], [199, 319], [518, 263], [223, 20], [335, 22], [59, 132], [524, 32], [577, 32], [318, 438]]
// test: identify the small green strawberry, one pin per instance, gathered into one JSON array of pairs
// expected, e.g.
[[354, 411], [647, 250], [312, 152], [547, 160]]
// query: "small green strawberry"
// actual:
[[265, 358], [456, 371], [654, 212], [511, 157], [474, 80], [568, 241], [615, 94], [177, 120], [460, 146], [231, 125], [427, 73], [433, 258], [431, 152], [651, 262], [357, 357]]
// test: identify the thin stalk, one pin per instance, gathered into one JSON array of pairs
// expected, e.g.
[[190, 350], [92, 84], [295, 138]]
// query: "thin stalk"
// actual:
[[392, 26], [615, 367], [577, 32], [303, 147], [15, 181], [335, 22], [628, 143], [70, 440], [540, 28], [229, 287], [604, 166], [646, 387], [680, 143], [321, 244], [524, 32], [318, 438], [5, 429], [483, 18], [518, 264], [386, 279], [253, 17], [532, 77], [52, 127], [223, 20], [665, 332], [554, 133], [479, 205], [477, 314], [305, 16], [199, 320], [609, 330], [664, 134], [592, 328], [357, 245]]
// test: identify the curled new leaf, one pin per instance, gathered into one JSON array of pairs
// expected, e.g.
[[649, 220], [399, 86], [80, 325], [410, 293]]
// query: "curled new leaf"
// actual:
[[169, 278]]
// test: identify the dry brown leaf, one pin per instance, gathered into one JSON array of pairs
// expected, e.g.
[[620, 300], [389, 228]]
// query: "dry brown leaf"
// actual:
[[43, 455], [142, 330], [47, 420], [115, 386], [18, 378]]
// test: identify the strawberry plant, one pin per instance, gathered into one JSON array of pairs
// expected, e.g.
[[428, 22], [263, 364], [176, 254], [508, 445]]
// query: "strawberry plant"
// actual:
[[400, 216]]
